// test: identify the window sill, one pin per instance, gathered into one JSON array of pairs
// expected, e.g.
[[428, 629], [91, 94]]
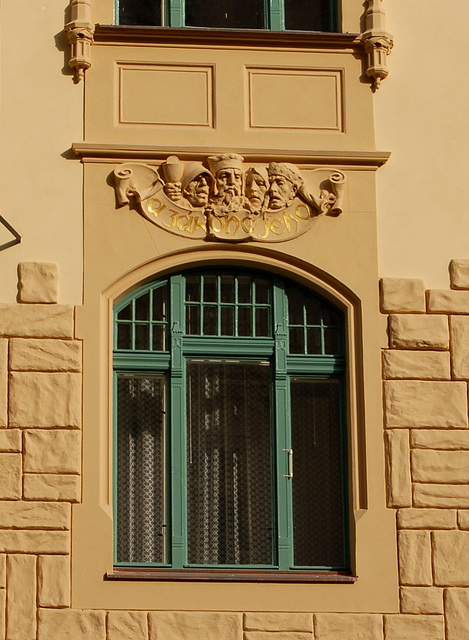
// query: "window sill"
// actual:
[[220, 575], [240, 37]]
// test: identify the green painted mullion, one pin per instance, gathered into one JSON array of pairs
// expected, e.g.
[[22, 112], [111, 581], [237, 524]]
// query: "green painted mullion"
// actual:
[[176, 13], [276, 15], [177, 427], [282, 439]]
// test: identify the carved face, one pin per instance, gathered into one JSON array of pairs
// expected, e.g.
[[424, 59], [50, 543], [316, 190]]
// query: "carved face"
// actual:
[[281, 193], [256, 189], [197, 191], [173, 190], [230, 181]]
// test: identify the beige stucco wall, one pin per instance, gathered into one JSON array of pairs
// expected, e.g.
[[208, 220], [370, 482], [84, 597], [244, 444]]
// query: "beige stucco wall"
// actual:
[[40, 116], [421, 116]]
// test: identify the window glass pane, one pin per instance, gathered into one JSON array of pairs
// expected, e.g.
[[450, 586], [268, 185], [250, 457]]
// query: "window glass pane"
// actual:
[[295, 306], [192, 320], [318, 510], [330, 318], [313, 311], [125, 313], [210, 289], [210, 321], [144, 12], [142, 336], [227, 288], [227, 321], [262, 291], [193, 289], [229, 509], [124, 336], [313, 337], [159, 303], [140, 469], [262, 322], [142, 307], [159, 337], [244, 289], [244, 321], [225, 14], [306, 15], [297, 340], [331, 341]]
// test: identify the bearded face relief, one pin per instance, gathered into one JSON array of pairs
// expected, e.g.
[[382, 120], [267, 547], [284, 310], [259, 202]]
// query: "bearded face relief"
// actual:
[[221, 199]]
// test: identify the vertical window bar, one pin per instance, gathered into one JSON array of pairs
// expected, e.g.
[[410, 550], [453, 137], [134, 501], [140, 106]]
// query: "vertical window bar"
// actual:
[[176, 13], [276, 15]]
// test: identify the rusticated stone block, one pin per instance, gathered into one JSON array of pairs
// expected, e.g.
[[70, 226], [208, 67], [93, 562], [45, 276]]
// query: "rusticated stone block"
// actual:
[[281, 635], [463, 519], [52, 451], [421, 600], [38, 282], [52, 487], [195, 625], [127, 625], [34, 515], [460, 346], [446, 301], [457, 614], [418, 627], [459, 274], [402, 295], [338, 626], [21, 601], [45, 355], [418, 332], [422, 365], [3, 383], [446, 496], [451, 558], [426, 519], [398, 468], [415, 558], [436, 439], [450, 467], [45, 399], [71, 624], [412, 403], [3, 572], [34, 541], [10, 475], [278, 622], [36, 321], [10, 440], [2, 613], [53, 581]]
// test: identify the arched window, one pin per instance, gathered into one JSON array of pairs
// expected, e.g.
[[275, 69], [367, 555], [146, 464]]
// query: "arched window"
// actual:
[[230, 443], [290, 15]]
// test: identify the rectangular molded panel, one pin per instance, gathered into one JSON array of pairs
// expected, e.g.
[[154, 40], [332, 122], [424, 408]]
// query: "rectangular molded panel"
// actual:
[[165, 95], [295, 98]]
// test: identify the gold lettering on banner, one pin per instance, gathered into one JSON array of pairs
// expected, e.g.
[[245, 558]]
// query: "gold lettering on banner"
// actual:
[[303, 207], [275, 226], [228, 221], [247, 224], [155, 208]]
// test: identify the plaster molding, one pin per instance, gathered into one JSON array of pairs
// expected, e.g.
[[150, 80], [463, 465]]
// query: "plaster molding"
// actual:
[[377, 42], [80, 34], [222, 199], [109, 152]]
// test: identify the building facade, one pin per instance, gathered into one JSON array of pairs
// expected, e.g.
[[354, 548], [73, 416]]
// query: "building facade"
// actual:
[[233, 322]]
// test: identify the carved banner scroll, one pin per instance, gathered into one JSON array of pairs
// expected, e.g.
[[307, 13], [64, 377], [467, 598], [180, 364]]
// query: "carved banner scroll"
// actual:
[[222, 199]]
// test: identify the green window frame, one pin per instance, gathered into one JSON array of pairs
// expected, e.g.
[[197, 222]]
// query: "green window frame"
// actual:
[[276, 14], [285, 437]]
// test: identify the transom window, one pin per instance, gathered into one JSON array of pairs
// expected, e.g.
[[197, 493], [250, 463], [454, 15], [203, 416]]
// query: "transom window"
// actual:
[[230, 443], [290, 15]]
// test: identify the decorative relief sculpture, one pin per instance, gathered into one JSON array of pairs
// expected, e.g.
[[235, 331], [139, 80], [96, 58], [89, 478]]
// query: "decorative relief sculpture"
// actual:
[[223, 200]]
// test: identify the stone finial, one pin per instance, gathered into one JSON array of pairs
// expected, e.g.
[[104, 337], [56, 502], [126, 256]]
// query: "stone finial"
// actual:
[[377, 41], [38, 282], [80, 33]]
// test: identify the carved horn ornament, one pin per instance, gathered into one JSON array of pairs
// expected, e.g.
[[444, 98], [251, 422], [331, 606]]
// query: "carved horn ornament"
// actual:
[[80, 34], [377, 41]]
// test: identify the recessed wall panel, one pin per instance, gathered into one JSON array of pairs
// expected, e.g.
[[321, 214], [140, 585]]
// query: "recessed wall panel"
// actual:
[[165, 95], [281, 98]]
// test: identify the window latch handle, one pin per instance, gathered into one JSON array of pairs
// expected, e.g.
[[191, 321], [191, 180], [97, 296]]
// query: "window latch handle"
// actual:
[[290, 464]]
